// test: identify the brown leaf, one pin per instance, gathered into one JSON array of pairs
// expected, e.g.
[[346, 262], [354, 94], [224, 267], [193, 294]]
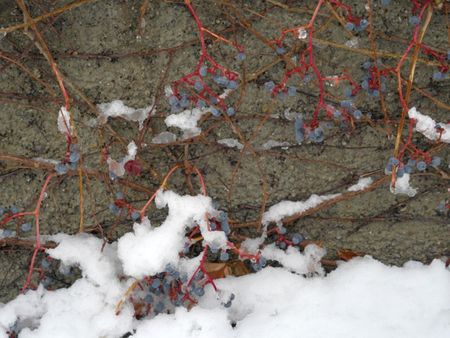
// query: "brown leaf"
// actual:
[[347, 254]]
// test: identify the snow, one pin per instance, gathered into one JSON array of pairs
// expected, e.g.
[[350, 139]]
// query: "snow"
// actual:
[[427, 126], [274, 144], [403, 187], [231, 143], [186, 121], [147, 250], [288, 208], [164, 137], [117, 108], [361, 298], [63, 122], [363, 183]]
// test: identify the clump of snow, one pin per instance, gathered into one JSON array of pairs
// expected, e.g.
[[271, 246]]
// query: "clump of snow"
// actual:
[[428, 127], [363, 183], [288, 208], [402, 186], [293, 260], [164, 137], [231, 143], [117, 108], [64, 125], [187, 121], [272, 144], [147, 250]]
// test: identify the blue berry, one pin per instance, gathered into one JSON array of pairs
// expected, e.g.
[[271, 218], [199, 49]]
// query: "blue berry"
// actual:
[[25, 227], [280, 50], [2, 211], [388, 169], [400, 172], [317, 135], [292, 91], [282, 245], [408, 169], [14, 209], [421, 166], [199, 291], [281, 96], [348, 92], [350, 26], [135, 215], [224, 256], [221, 80], [262, 262], [232, 85], [148, 299], [61, 168], [367, 64], [357, 114], [159, 307], [414, 20], [7, 233], [120, 195], [307, 78], [436, 161], [240, 56], [362, 25], [114, 208], [270, 85], [203, 71], [437, 76], [282, 230], [385, 2], [337, 114], [156, 283], [231, 111], [201, 104], [297, 239], [198, 85], [74, 156], [215, 112], [45, 264], [346, 104], [393, 161], [184, 102], [365, 84], [173, 100]]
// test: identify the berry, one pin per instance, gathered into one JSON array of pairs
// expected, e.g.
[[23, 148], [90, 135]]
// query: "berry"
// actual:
[[74, 157], [25, 227], [232, 85], [385, 2], [337, 114], [61, 168], [215, 112], [317, 135], [240, 56], [282, 96], [346, 104], [421, 166], [297, 239], [367, 64], [7, 233], [350, 26], [348, 92], [280, 50], [2, 211], [156, 283], [357, 114], [400, 172], [282, 245], [199, 291], [45, 264], [414, 20], [282, 230], [438, 76], [362, 25], [270, 85], [120, 195], [365, 84], [436, 161], [14, 209], [388, 169], [198, 85], [114, 209], [224, 256], [159, 307], [203, 71], [184, 102], [231, 111], [408, 169], [201, 104], [292, 91], [173, 100], [393, 161], [135, 215], [148, 299]]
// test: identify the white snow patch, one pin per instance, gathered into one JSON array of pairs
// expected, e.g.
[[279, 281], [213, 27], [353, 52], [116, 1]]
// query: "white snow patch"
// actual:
[[164, 137], [363, 183], [402, 186], [427, 126], [147, 250], [272, 144], [231, 143], [187, 121], [288, 208], [117, 108], [64, 124]]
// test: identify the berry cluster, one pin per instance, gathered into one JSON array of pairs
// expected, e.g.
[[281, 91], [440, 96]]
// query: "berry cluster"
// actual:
[[121, 207], [411, 165], [71, 160]]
